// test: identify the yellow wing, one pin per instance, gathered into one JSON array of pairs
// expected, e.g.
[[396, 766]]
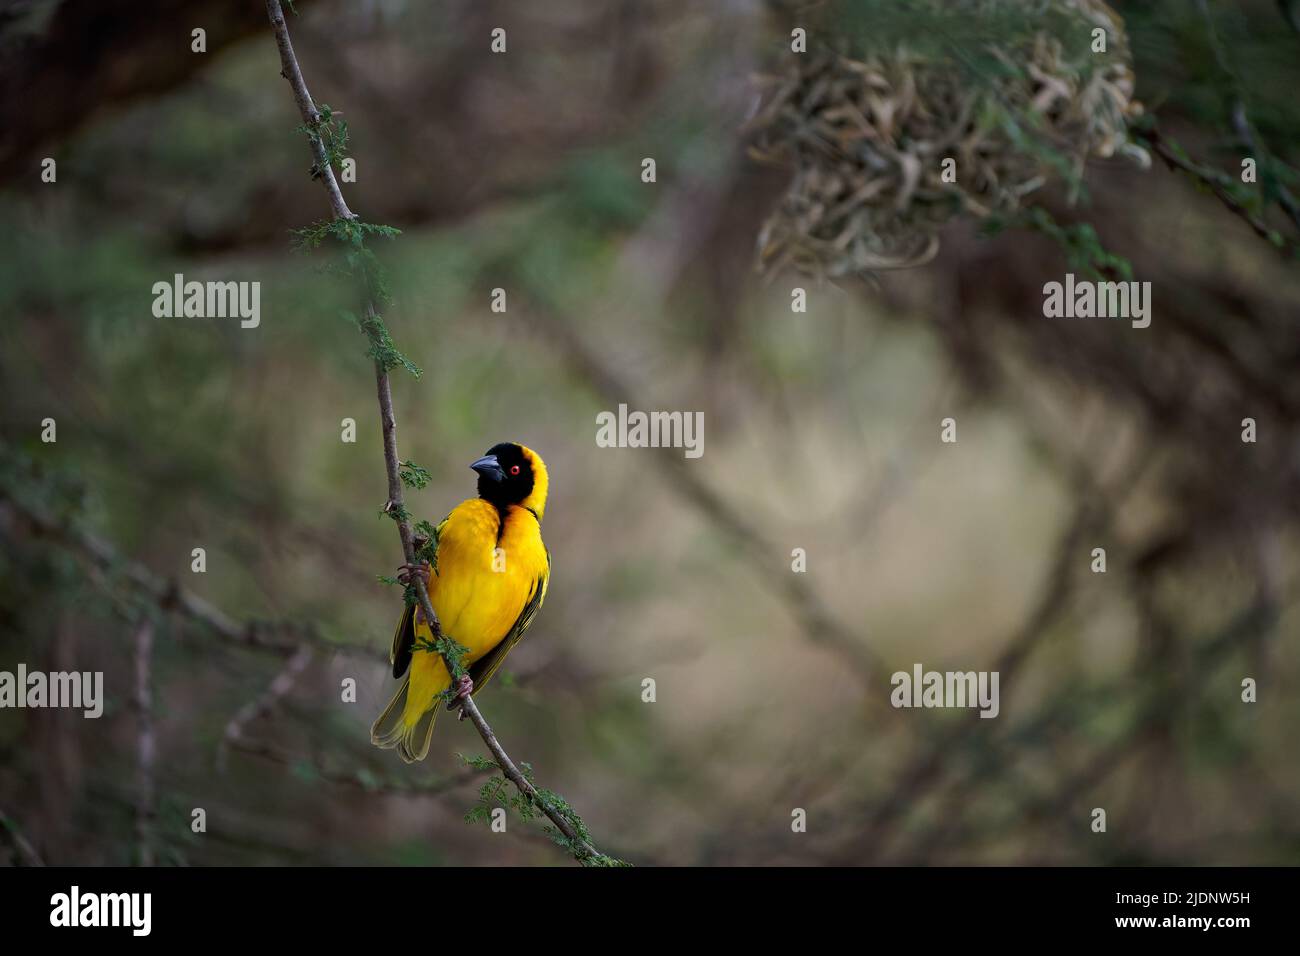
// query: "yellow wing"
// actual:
[[483, 669]]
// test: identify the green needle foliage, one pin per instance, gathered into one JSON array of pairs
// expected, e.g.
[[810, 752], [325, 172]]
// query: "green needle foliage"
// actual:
[[331, 134], [413, 476], [449, 649], [355, 260], [427, 552], [1082, 246], [495, 793], [478, 761]]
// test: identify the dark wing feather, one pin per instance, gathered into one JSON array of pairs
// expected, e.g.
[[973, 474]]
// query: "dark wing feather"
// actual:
[[403, 642], [482, 670], [404, 636]]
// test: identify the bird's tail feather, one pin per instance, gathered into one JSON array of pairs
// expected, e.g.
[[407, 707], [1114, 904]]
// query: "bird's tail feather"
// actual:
[[392, 729]]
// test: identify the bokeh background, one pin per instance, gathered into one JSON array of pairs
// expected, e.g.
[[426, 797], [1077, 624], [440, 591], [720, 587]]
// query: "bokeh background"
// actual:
[[522, 171]]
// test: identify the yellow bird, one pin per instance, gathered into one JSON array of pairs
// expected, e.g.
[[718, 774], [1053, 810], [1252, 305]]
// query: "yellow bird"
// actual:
[[487, 581]]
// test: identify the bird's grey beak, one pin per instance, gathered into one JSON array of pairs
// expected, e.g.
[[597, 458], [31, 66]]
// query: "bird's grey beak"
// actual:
[[489, 467]]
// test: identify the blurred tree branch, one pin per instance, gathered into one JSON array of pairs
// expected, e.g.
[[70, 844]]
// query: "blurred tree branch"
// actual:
[[26, 852], [167, 594], [816, 619], [1260, 614], [360, 780], [146, 741], [926, 770], [1222, 185], [259, 706], [1176, 158]]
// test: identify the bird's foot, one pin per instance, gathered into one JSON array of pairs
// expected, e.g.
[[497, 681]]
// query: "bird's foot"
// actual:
[[421, 570], [464, 687]]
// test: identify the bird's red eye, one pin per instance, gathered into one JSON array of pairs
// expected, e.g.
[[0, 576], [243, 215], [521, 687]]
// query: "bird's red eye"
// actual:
[[514, 469]]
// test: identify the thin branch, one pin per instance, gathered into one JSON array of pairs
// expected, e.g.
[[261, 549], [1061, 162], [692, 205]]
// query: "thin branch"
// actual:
[[1237, 117], [279, 687], [168, 595], [582, 850], [307, 108], [1241, 126], [353, 779], [146, 741], [815, 617], [442, 788], [1095, 517], [926, 769], [26, 852], [1176, 159], [1029, 808]]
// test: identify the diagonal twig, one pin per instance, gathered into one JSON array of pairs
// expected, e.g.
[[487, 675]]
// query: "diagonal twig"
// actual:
[[279, 687], [1175, 159], [818, 622], [168, 595], [146, 741], [26, 852], [287, 758]]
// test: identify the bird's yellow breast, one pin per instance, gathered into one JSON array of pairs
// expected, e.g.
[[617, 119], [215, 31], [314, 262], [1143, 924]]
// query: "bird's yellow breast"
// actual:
[[488, 569]]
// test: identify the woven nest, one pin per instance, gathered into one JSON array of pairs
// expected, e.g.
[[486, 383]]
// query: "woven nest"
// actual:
[[866, 124]]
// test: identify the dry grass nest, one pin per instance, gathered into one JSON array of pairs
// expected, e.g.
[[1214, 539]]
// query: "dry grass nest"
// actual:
[[866, 125]]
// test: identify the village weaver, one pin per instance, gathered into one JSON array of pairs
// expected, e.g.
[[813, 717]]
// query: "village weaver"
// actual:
[[486, 582]]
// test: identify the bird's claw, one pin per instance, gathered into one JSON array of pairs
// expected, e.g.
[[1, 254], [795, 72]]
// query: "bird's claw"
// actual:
[[407, 571], [464, 688]]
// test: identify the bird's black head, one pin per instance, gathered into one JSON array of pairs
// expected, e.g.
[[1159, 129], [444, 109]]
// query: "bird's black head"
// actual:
[[505, 474]]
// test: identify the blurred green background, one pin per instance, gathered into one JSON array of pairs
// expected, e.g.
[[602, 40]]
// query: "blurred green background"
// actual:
[[522, 171]]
